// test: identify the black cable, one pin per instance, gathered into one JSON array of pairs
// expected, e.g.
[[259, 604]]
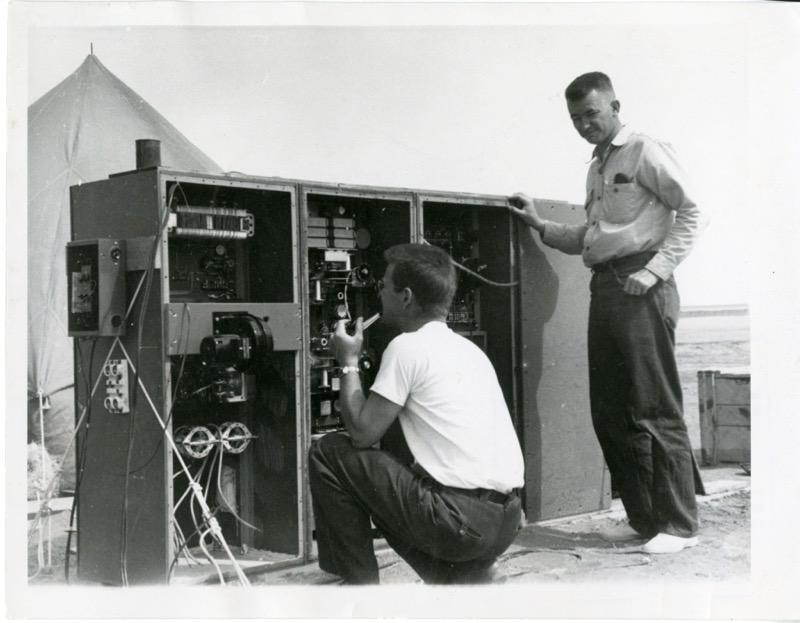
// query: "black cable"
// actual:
[[496, 284], [174, 391], [186, 311], [197, 530], [82, 449]]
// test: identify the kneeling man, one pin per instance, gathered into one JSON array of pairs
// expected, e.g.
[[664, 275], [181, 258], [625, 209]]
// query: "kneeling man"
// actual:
[[456, 508]]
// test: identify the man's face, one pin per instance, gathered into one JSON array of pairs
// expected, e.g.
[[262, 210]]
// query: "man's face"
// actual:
[[392, 306], [595, 117]]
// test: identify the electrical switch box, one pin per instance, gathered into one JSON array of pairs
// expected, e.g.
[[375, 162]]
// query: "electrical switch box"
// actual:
[[96, 287]]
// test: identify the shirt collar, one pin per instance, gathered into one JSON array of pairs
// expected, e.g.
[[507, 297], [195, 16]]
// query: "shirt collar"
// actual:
[[619, 140]]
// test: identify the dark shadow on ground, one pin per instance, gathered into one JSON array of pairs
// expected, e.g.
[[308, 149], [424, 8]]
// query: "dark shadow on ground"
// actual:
[[553, 538]]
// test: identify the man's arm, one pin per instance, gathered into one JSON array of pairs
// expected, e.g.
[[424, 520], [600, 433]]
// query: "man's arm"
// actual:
[[661, 173], [565, 238], [366, 419]]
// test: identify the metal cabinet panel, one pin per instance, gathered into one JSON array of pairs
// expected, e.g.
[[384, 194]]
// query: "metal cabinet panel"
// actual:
[[565, 471]]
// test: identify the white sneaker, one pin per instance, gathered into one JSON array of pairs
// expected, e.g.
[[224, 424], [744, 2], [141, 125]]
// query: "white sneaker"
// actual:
[[668, 544]]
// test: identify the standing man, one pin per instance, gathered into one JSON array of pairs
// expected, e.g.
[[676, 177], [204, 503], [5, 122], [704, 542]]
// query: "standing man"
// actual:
[[641, 221], [456, 509]]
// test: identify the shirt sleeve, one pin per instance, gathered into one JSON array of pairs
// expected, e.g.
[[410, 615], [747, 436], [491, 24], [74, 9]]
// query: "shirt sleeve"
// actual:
[[660, 172], [565, 238], [395, 375]]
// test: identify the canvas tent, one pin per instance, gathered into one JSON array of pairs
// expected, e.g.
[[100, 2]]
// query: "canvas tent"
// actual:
[[82, 130]]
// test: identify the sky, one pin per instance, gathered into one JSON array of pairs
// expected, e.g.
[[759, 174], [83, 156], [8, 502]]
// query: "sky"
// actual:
[[469, 98], [457, 107]]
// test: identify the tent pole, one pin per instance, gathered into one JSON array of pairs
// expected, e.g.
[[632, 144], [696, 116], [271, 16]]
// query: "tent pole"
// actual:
[[40, 394]]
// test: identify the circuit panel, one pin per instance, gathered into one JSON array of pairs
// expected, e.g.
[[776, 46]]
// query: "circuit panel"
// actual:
[[346, 238]]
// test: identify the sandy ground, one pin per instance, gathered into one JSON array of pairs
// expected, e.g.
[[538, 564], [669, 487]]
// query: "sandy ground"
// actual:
[[573, 550], [567, 549]]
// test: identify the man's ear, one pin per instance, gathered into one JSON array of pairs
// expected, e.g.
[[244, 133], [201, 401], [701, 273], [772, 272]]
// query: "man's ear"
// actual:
[[408, 297], [615, 105]]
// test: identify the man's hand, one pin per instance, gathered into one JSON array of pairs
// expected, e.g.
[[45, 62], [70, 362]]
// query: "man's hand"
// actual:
[[522, 206], [347, 348], [640, 282], [366, 419]]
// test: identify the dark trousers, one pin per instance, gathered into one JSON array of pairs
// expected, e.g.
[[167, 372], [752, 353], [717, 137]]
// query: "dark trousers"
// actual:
[[447, 535], [637, 403]]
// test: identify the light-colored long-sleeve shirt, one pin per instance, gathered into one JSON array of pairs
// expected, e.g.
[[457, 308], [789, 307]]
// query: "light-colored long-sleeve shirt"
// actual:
[[637, 199]]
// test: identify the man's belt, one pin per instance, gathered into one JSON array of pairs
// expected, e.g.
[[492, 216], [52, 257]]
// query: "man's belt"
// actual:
[[629, 262], [495, 496], [489, 495]]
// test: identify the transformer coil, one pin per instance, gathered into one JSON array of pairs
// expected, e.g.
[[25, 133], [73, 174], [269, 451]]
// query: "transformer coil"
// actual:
[[235, 437], [195, 441]]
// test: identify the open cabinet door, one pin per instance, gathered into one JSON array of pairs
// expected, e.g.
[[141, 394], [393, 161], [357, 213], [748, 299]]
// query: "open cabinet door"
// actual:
[[564, 469]]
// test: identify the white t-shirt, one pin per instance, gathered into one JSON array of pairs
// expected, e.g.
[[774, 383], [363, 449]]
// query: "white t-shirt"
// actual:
[[454, 416]]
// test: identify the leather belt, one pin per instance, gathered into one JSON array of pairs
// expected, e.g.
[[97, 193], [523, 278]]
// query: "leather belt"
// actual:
[[482, 494], [635, 261], [487, 495]]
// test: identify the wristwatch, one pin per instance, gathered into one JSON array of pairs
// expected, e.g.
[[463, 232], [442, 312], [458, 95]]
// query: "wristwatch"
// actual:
[[348, 369]]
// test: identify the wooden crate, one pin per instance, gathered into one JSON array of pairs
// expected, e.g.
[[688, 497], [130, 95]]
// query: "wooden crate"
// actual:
[[724, 400]]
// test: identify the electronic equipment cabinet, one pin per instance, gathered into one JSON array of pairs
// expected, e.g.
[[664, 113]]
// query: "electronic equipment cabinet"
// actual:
[[202, 308], [208, 367]]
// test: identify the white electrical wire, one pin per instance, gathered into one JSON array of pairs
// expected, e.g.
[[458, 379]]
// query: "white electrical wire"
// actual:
[[207, 488], [346, 304], [222, 495], [135, 294], [192, 501], [197, 478], [217, 532], [211, 558], [217, 457], [204, 506], [51, 486], [49, 491], [181, 543], [61, 463]]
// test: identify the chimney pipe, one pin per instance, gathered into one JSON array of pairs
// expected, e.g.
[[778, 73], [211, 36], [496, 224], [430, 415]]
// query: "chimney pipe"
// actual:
[[148, 153]]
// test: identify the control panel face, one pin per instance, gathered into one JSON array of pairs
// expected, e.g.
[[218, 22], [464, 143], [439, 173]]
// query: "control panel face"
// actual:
[[206, 270], [342, 287], [455, 229], [96, 287], [346, 238]]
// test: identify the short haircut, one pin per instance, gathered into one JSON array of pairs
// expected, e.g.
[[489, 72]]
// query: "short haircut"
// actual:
[[427, 271], [585, 83]]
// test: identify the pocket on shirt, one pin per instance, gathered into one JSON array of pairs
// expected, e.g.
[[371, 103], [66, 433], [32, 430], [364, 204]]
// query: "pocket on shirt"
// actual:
[[622, 202]]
